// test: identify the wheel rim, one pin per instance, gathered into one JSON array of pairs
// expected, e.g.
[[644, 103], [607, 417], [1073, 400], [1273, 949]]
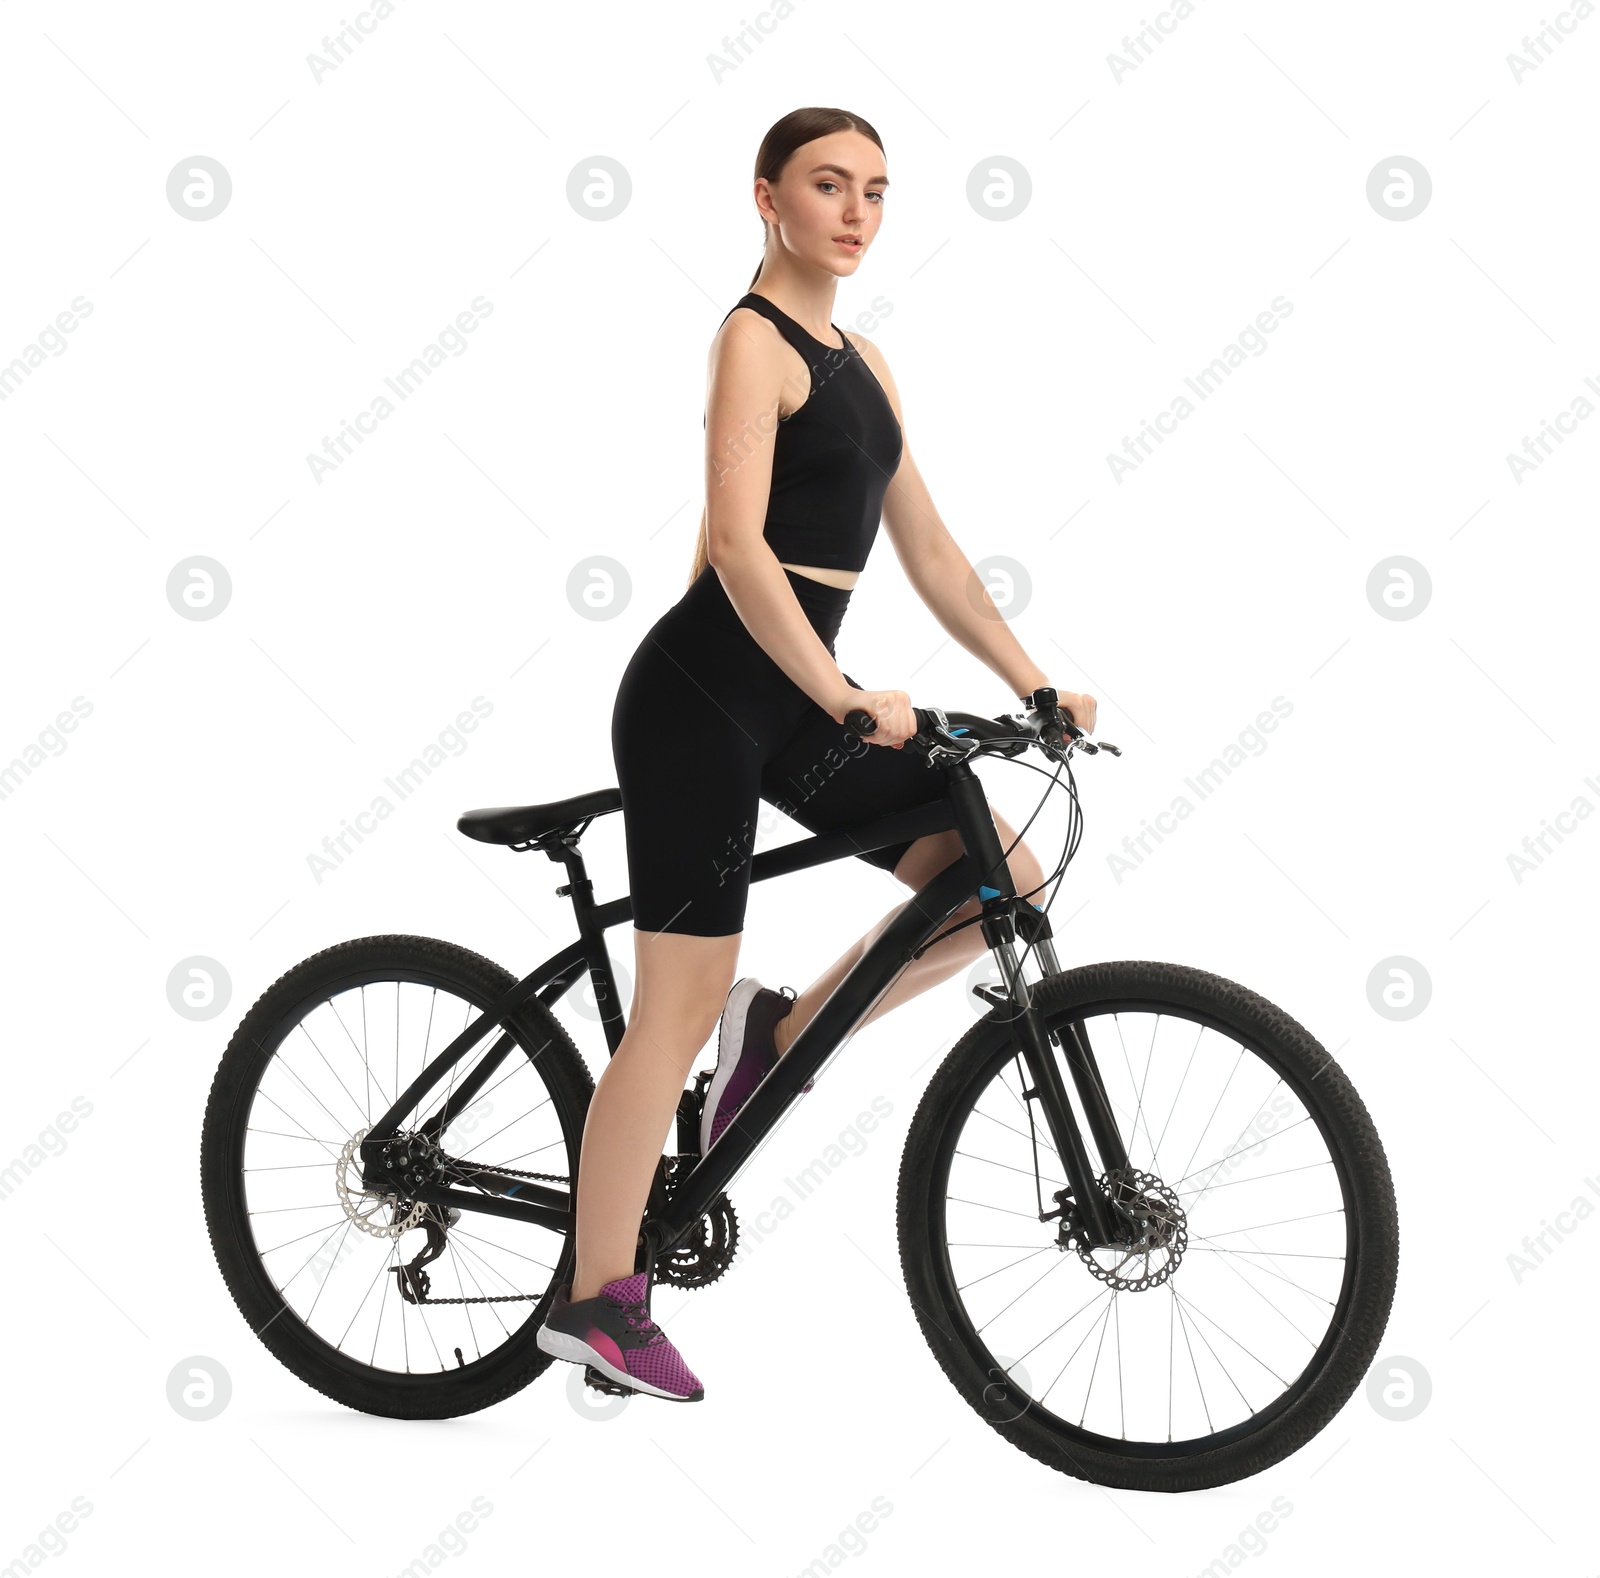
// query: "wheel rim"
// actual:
[[1262, 1258], [334, 1065]]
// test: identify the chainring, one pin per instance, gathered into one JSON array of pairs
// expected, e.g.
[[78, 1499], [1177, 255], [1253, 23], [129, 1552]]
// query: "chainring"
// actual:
[[705, 1252]]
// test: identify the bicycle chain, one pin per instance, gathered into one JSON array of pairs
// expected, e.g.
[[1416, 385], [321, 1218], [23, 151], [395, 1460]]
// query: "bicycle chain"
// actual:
[[693, 1265], [517, 1172]]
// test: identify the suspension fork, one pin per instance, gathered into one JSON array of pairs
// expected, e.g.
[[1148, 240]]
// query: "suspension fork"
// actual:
[[1033, 1038], [1033, 926], [998, 895]]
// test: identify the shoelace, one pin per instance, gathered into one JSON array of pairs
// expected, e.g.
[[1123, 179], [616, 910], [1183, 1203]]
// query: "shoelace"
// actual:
[[638, 1317]]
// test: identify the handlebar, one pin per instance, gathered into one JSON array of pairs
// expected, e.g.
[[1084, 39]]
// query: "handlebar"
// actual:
[[958, 735]]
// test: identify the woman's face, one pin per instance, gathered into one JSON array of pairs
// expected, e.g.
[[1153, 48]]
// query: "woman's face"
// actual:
[[832, 187]]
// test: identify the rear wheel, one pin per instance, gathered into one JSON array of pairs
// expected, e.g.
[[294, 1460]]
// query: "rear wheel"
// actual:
[[1256, 1293], [318, 1267]]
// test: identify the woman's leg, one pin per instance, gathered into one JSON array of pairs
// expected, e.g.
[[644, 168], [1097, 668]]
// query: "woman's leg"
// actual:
[[923, 861], [680, 985]]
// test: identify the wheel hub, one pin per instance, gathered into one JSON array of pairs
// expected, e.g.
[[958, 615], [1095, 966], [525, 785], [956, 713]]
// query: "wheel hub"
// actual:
[[1152, 1230], [379, 1212]]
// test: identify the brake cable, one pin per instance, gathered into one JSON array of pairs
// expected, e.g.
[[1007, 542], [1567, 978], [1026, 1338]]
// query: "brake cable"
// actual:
[[1060, 870]]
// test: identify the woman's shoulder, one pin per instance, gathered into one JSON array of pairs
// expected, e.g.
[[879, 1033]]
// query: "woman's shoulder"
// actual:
[[861, 342], [749, 344], [748, 326], [871, 355]]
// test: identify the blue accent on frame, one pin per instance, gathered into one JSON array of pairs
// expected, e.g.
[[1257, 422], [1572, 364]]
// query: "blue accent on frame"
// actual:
[[986, 892], [961, 730]]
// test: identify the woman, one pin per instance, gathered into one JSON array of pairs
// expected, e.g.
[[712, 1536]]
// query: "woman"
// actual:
[[734, 696]]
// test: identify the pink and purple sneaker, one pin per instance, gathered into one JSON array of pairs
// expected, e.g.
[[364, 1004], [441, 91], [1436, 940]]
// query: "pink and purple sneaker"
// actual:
[[747, 1051], [614, 1333]]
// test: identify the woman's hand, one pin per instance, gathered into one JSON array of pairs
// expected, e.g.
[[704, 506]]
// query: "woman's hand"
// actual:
[[892, 710], [1080, 708]]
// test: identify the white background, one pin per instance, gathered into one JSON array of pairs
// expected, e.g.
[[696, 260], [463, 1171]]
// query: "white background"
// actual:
[[369, 608]]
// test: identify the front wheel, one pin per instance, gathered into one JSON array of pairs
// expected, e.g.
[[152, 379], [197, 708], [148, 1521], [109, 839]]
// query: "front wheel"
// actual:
[[1254, 1295]]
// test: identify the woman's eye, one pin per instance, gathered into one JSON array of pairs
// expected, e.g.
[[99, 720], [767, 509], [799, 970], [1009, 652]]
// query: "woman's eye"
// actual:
[[835, 186]]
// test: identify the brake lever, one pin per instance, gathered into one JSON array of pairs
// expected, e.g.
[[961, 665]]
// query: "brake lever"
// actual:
[[939, 738], [1090, 747], [1056, 729], [1066, 736], [1077, 740], [935, 739]]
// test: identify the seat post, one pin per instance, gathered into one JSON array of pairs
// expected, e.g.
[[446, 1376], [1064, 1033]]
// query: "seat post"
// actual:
[[580, 889]]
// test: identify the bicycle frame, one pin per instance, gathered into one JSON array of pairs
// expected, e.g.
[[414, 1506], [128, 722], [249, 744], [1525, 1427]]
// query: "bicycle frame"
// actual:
[[981, 871]]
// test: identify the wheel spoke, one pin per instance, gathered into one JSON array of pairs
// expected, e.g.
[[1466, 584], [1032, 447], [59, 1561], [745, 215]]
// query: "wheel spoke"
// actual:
[[1094, 1369], [1234, 1150], [1107, 1295], [1012, 1129], [1138, 1105], [1327, 1161], [332, 1146], [1001, 1270], [1027, 1172], [366, 1112]]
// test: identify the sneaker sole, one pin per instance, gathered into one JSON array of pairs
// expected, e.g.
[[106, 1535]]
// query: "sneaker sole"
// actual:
[[559, 1345], [735, 1013]]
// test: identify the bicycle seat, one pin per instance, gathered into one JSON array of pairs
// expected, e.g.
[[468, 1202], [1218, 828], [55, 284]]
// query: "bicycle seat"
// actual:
[[523, 824]]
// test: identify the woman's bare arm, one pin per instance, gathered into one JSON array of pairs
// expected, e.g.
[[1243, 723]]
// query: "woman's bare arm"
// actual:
[[746, 378], [943, 575]]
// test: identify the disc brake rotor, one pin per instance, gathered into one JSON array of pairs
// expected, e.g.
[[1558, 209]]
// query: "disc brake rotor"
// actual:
[[1157, 1227], [366, 1208]]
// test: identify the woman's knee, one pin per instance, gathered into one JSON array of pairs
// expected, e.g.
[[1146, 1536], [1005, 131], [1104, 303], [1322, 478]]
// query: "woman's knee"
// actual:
[[926, 858], [1027, 875], [681, 982], [929, 855]]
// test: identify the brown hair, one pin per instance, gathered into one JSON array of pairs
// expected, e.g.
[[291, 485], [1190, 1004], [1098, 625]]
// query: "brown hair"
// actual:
[[783, 137]]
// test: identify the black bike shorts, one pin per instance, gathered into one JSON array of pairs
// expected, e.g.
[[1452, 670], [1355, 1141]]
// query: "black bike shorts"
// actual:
[[706, 725]]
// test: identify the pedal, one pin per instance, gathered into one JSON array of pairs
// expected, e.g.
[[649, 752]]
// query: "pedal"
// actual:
[[690, 1105], [603, 1383]]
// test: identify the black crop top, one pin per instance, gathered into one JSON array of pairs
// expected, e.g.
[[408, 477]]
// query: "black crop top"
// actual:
[[832, 458]]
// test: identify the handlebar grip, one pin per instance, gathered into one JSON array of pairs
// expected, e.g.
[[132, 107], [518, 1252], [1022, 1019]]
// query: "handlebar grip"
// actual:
[[861, 722]]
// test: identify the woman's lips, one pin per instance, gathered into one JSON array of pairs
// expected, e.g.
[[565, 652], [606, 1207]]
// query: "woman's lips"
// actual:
[[847, 244]]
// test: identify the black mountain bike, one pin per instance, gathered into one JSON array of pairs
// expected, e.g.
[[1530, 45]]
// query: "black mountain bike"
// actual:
[[1145, 1221]]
